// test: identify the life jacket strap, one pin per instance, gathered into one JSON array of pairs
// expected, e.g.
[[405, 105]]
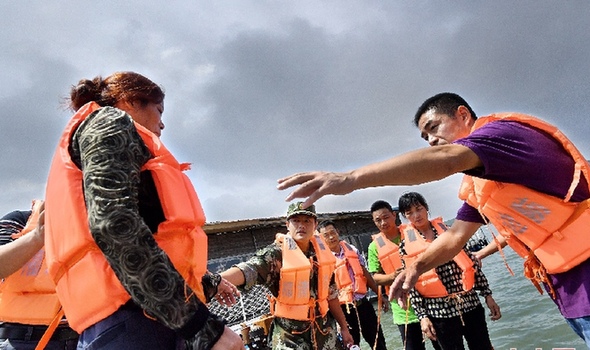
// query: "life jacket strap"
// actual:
[[537, 274], [50, 330]]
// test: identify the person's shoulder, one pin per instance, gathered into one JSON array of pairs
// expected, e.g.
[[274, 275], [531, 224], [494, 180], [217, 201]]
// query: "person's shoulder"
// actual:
[[352, 247], [507, 122], [492, 131], [106, 117], [108, 111], [274, 249], [106, 123], [12, 223], [372, 250]]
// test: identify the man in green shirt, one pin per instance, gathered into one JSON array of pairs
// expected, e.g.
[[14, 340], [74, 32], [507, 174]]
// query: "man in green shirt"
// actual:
[[387, 221]]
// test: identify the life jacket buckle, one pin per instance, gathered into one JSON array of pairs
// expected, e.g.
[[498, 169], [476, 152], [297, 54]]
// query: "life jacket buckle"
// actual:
[[557, 235]]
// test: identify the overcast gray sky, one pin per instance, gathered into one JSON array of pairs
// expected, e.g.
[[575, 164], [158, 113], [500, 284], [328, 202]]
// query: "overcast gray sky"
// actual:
[[257, 90]]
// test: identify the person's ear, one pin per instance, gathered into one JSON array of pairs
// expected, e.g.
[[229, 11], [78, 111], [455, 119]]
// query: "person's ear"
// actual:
[[462, 113], [126, 106]]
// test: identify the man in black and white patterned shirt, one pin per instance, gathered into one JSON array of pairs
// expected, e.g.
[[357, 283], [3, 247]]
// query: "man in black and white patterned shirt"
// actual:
[[447, 319]]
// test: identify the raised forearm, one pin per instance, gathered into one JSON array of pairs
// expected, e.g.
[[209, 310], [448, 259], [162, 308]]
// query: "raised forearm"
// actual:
[[336, 311], [416, 167], [15, 254], [382, 279], [446, 246], [491, 248], [234, 275]]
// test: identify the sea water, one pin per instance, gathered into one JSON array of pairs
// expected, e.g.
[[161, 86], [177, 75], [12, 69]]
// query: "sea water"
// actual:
[[530, 321]]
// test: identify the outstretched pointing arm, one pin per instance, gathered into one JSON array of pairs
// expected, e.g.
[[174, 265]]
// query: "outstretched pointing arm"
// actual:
[[412, 168]]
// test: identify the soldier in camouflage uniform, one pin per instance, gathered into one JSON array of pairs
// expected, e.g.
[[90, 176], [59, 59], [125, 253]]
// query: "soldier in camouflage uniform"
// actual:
[[264, 268]]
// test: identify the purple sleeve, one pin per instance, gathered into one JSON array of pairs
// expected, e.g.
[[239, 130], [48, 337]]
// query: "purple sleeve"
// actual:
[[513, 152], [469, 214]]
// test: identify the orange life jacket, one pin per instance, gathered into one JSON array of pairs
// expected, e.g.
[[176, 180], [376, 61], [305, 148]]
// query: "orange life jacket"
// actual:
[[294, 300], [86, 284], [28, 295], [346, 289], [429, 284], [554, 229], [388, 253]]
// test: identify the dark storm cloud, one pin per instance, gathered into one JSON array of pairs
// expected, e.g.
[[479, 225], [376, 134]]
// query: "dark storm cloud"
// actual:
[[259, 90]]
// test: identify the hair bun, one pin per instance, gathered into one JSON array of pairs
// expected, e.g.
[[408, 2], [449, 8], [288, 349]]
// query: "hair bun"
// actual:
[[85, 91], [119, 86]]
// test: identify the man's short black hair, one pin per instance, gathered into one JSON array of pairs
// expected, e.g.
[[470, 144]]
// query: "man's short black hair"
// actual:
[[443, 103], [381, 204], [326, 223]]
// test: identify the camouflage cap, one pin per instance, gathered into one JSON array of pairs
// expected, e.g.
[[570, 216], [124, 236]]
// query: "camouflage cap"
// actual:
[[297, 209]]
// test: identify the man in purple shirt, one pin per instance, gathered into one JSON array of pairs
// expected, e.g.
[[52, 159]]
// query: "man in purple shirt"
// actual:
[[507, 151]]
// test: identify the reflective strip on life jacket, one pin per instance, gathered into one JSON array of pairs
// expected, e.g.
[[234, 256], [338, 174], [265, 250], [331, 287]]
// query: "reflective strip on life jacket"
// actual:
[[388, 253], [429, 283], [294, 300], [86, 284], [553, 229]]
